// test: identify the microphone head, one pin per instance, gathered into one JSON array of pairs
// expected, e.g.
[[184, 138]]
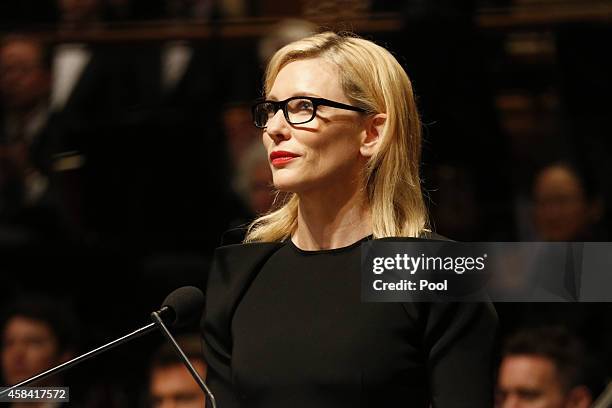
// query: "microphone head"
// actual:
[[184, 306]]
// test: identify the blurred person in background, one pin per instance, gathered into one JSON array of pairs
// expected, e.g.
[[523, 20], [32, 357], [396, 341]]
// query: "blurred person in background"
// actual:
[[170, 383], [24, 89], [251, 175], [544, 368], [567, 205], [38, 333], [30, 137], [239, 131], [253, 180]]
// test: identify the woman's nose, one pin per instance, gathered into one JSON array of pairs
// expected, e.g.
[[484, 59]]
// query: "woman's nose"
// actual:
[[277, 127]]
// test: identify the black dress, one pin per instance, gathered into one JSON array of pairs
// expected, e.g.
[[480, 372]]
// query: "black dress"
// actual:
[[285, 327]]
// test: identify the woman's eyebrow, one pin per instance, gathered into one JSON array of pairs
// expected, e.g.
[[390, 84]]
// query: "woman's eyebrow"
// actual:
[[311, 94], [301, 93]]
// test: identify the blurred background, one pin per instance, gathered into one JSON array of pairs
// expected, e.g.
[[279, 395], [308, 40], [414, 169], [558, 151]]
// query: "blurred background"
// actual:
[[127, 149]]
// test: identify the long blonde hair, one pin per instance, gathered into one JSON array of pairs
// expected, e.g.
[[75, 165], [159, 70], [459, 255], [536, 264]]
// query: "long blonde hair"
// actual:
[[372, 79]]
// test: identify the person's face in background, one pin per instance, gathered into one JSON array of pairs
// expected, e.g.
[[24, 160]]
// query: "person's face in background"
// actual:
[[28, 348], [261, 194], [173, 386], [239, 130], [327, 149], [561, 209], [24, 81], [529, 381]]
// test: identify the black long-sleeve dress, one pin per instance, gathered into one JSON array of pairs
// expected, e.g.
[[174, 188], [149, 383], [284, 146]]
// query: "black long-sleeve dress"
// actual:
[[285, 327]]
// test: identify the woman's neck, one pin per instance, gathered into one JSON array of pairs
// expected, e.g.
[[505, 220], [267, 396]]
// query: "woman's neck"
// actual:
[[332, 219]]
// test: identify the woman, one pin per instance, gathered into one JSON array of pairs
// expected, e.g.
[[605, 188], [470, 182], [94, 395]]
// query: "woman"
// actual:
[[284, 323]]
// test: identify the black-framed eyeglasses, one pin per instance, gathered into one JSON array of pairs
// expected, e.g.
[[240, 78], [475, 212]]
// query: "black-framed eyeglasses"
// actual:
[[297, 109]]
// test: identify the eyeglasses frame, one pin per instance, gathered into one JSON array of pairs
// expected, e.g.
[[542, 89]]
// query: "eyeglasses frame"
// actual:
[[316, 102]]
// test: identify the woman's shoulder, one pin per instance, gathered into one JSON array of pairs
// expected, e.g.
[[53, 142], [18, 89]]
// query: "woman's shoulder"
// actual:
[[235, 258], [232, 242], [432, 236], [234, 235]]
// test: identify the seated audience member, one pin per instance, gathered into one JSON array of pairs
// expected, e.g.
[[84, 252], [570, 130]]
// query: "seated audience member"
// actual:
[[170, 383], [252, 183], [238, 128], [566, 204], [544, 368], [29, 138], [253, 180], [38, 333]]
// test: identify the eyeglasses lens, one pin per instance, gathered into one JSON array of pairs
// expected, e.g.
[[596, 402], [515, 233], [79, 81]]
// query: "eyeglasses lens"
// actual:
[[262, 113], [300, 110]]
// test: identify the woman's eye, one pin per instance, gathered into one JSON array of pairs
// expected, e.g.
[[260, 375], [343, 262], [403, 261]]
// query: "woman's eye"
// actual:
[[306, 105]]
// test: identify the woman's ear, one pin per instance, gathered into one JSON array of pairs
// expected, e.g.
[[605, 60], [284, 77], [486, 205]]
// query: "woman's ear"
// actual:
[[372, 133]]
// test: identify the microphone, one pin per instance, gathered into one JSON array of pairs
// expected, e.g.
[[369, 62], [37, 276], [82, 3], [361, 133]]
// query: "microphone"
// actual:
[[180, 308]]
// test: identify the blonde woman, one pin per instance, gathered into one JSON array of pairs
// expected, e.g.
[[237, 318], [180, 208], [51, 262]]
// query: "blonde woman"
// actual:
[[284, 324]]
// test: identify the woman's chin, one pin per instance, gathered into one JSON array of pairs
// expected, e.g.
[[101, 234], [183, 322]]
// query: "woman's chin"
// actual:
[[285, 188], [286, 183]]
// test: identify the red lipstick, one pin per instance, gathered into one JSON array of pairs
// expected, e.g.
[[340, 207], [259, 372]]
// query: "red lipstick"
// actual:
[[279, 158]]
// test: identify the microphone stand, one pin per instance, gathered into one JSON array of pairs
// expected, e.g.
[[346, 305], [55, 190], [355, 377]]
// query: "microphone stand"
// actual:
[[162, 327], [64, 366]]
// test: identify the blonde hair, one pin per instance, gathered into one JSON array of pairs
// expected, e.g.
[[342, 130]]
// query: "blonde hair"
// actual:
[[372, 79]]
